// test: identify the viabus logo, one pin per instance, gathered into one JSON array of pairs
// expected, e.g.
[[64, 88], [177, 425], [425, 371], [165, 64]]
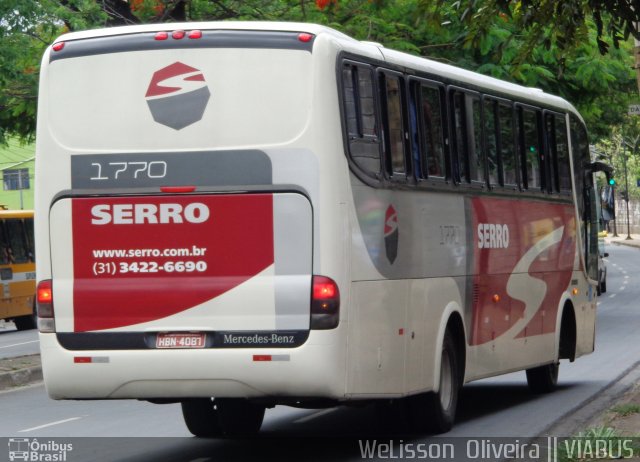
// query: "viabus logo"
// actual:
[[177, 95]]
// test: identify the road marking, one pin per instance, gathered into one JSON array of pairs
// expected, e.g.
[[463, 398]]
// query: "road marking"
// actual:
[[612, 295], [314, 415], [58, 422], [18, 344]]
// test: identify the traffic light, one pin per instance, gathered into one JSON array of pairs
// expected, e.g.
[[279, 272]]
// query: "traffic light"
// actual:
[[612, 181]]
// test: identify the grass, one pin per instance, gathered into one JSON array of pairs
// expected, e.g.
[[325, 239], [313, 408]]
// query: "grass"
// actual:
[[626, 409]]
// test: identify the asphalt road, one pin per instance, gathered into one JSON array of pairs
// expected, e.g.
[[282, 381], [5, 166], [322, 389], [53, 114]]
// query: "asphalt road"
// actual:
[[494, 407], [14, 343]]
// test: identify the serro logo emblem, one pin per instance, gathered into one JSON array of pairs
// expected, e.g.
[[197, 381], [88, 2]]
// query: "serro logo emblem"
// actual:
[[391, 232], [138, 214], [177, 95]]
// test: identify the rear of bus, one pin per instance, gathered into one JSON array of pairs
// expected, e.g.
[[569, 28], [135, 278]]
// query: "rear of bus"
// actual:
[[178, 217], [17, 268]]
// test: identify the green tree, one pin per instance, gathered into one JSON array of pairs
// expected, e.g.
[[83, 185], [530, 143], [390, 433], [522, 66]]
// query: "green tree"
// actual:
[[623, 142], [496, 37], [563, 22]]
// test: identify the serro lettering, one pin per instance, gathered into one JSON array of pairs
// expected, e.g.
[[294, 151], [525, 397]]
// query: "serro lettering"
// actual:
[[138, 214], [493, 236]]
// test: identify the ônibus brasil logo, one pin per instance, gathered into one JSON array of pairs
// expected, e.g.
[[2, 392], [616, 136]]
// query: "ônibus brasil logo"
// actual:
[[177, 95]]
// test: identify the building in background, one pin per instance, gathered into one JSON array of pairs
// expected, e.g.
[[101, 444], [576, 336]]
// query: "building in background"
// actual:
[[17, 169]]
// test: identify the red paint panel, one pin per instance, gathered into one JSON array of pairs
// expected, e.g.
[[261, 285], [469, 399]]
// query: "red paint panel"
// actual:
[[233, 244], [495, 257]]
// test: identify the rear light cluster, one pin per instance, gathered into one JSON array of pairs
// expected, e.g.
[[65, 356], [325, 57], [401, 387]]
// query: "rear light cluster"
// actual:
[[178, 35], [325, 303], [44, 307]]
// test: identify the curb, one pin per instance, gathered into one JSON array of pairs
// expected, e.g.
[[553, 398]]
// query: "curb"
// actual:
[[628, 244], [588, 411], [27, 370]]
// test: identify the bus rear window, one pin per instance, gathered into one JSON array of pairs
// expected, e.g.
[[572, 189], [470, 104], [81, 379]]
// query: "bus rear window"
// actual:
[[15, 243], [240, 97]]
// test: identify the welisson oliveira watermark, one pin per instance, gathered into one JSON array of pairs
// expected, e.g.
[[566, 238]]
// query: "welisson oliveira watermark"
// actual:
[[550, 449], [461, 449]]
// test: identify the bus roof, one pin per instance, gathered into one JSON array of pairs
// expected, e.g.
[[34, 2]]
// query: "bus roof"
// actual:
[[315, 29], [15, 214], [452, 73]]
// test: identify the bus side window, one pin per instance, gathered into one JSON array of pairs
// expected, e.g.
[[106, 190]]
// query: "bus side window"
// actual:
[[460, 162], [562, 154], [394, 133], [578, 146], [551, 149], [491, 142], [4, 245], [558, 149], [530, 149], [508, 153], [476, 152], [467, 125], [360, 115], [431, 131], [28, 227]]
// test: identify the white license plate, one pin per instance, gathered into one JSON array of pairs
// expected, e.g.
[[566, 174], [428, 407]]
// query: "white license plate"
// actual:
[[180, 340]]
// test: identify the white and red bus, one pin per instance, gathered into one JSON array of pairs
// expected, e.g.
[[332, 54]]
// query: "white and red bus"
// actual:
[[238, 215]]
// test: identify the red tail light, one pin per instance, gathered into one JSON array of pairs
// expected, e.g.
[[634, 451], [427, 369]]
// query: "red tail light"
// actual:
[[325, 303], [58, 46], [44, 306], [324, 288]]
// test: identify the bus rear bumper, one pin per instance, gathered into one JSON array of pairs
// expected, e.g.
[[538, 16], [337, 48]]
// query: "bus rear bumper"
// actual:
[[313, 370]]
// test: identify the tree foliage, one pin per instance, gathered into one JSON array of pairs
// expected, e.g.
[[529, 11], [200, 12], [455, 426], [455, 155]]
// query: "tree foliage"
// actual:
[[539, 43], [622, 145], [563, 22]]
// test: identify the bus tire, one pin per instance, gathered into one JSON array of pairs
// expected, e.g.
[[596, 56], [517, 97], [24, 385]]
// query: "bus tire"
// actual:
[[543, 379], [201, 417], [27, 322], [239, 417], [435, 412]]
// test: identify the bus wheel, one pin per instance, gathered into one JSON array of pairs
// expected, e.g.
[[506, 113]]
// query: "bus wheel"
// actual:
[[543, 379], [239, 417], [201, 417], [435, 412], [27, 322]]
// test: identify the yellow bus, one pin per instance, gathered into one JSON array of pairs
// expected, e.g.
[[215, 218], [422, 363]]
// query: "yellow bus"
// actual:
[[17, 268]]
